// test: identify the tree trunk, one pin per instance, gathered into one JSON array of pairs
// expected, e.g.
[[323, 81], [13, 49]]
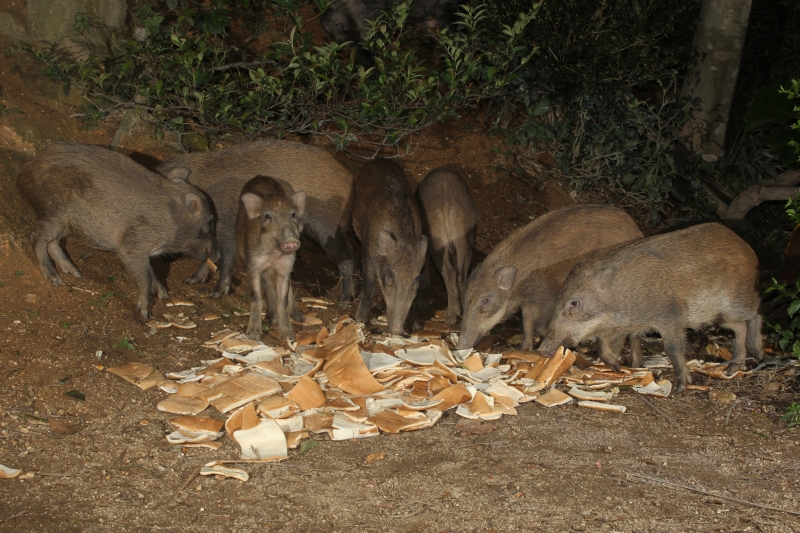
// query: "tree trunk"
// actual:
[[719, 39]]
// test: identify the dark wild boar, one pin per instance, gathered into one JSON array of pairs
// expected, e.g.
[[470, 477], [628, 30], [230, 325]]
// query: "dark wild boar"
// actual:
[[526, 270], [345, 20], [386, 220], [297, 167], [109, 202], [267, 238], [450, 222], [667, 283]]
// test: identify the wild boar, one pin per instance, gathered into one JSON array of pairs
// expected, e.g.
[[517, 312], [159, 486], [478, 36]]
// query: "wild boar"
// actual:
[[267, 238], [109, 202], [668, 283], [345, 20], [386, 220], [526, 270], [296, 166], [450, 221]]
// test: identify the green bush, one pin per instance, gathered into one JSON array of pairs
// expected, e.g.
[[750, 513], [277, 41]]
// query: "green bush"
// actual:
[[596, 83], [189, 70]]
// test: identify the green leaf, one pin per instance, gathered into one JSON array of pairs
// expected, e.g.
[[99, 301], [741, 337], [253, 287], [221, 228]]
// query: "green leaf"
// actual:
[[793, 307], [125, 343], [541, 107], [309, 445]]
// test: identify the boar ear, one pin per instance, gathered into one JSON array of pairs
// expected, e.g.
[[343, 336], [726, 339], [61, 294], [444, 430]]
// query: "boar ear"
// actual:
[[505, 277], [299, 201], [386, 242], [178, 174], [604, 277], [193, 204], [252, 205], [423, 245]]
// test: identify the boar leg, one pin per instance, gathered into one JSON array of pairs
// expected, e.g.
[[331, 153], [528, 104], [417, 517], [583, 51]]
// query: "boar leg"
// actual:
[[227, 255], [269, 281], [156, 287], [675, 346], [754, 341], [464, 252], [425, 275], [140, 270], [256, 304], [294, 312], [340, 249], [62, 261], [739, 345], [282, 284], [367, 293], [637, 356], [41, 242], [200, 276], [528, 326], [609, 349], [451, 283]]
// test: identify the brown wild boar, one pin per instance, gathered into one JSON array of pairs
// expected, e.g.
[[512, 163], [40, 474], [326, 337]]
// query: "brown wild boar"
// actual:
[[450, 222], [526, 270], [267, 239], [386, 220], [297, 167], [668, 283], [109, 202]]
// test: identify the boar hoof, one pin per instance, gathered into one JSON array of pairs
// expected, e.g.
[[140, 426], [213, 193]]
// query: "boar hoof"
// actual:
[[526, 345], [732, 369], [678, 388], [254, 335], [214, 295]]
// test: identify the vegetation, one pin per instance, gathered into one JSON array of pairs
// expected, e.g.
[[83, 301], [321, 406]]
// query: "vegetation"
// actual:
[[595, 84], [792, 415]]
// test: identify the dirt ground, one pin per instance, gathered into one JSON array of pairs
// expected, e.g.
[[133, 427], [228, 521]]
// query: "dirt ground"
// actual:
[[558, 469]]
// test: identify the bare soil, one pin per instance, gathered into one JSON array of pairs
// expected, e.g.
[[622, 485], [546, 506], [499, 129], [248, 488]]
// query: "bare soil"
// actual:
[[559, 469]]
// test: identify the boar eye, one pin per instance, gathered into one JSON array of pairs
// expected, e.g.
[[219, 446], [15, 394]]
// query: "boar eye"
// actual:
[[266, 217], [574, 303], [483, 302]]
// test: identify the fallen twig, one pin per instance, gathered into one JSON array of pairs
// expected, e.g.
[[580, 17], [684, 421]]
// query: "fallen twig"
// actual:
[[730, 410], [18, 515], [660, 412], [190, 478], [707, 493]]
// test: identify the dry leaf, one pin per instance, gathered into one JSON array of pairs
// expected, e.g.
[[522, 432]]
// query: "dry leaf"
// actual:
[[375, 457], [62, 427]]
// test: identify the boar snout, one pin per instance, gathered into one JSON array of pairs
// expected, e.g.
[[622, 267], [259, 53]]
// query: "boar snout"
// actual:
[[290, 246]]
